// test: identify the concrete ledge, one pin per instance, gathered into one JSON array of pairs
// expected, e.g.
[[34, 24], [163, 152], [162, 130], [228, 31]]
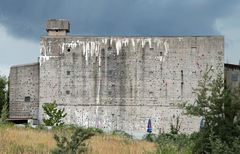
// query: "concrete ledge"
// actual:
[[24, 65]]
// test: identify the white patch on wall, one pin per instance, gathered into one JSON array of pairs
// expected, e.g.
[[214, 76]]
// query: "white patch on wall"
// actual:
[[93, 47], [166, 48], [180, 38]]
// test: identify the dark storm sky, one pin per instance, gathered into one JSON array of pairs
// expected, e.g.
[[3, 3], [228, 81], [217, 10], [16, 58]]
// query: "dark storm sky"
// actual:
[[22, 22]]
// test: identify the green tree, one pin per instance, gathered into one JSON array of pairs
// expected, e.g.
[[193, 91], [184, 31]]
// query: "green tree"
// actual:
[[3, 92], [220, 107], [55, 115], [4, 115], [76, 143]]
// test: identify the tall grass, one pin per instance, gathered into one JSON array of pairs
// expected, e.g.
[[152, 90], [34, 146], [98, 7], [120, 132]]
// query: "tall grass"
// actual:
[[109, 144], [27, 140]]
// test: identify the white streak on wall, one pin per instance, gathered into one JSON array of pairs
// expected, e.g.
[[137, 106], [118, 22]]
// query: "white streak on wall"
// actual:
[[92, 48], [87, 48], [166, 47], [143, 43], [125, 42], [98, 89], [133, 43], [45, 58], [160, 58], [43, 55], [111, 41], [150, 42], [118, 46], [159, 43]]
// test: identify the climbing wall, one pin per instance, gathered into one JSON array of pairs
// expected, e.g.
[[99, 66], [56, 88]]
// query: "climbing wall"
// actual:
[[121, 82]]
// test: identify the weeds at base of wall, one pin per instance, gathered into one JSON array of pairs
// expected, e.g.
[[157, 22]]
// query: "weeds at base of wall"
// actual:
[[76, 143], [122, 133], [174, 144]]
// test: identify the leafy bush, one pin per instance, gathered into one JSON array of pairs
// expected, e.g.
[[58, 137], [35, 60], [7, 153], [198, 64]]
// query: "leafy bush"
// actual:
[[3, 98], [4, 112], [76, 143], [175, 128], [174, 144], [95, 130], [40, 126], [55, 115], [150, 137]]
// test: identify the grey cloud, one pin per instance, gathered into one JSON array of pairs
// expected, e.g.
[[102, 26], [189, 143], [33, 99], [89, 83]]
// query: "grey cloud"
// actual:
[[26, 18]]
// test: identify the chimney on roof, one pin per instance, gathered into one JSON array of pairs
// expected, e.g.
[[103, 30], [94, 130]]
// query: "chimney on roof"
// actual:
[[57, 27]]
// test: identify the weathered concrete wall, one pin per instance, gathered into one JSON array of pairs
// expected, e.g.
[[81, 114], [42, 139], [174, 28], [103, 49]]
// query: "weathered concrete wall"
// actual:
[[232, 75], [24, 91], [121, 82]]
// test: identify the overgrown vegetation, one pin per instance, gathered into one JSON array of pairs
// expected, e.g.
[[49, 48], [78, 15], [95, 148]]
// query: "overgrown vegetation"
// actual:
[[55, 115], [175, 128], [76, 143], [220, 107], [174, 144], [29, 140], [4, 99], [122, 133]]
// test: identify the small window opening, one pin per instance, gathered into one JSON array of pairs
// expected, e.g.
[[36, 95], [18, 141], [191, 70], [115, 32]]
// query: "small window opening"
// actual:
[[151, 48], [68, 49], [67, 92], [109, 72], [68, 72], [193, 49], [234, 77], [182, 76], [27, 99], [161, 53]]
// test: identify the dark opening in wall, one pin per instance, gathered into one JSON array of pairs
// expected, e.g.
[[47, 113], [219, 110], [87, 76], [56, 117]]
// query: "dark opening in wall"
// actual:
[[68, 49], [161, 53], [151, 48], [67, 92], [182, 75], [181, 84], [109, 48], [234, 77], [193, 48], [68, 72], [110, 72], [27, 99]]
